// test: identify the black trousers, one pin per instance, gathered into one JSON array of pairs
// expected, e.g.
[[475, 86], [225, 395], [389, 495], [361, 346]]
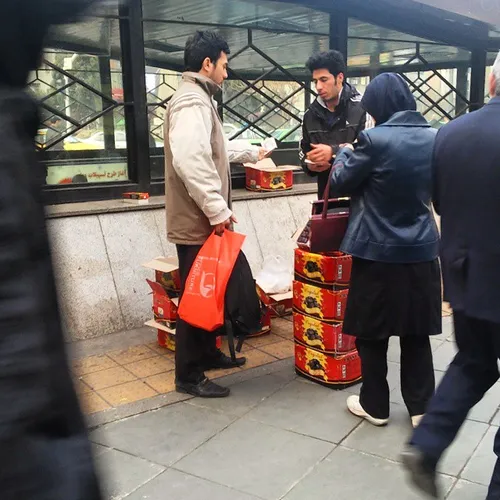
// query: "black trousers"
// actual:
[[193, 346], [417, 375], [471, 374]]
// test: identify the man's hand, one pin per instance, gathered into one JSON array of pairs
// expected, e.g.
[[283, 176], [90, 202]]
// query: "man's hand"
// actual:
[[320, 154], [318, 167], [264, 154], [220, 228]]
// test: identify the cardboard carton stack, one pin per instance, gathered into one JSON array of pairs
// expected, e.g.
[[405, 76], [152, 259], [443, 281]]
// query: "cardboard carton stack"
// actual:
[[166, 291], [323, 353]]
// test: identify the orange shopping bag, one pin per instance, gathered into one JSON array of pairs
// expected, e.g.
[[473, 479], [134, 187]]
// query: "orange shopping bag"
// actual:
[[202, 303]]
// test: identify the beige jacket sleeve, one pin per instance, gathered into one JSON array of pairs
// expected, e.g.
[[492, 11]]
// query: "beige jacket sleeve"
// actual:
[[239, 151], [190, 127]]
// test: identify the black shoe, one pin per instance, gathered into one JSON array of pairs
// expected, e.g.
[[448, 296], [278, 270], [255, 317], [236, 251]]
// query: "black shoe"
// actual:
[[422, 471], [223, 362], [204, 389]]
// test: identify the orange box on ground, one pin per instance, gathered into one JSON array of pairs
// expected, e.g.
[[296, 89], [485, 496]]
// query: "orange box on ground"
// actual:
[[167, 274], [337, 372], [317, 334], [327, 305], [164, 308], [279, 304], [323, 269], [266, 176]]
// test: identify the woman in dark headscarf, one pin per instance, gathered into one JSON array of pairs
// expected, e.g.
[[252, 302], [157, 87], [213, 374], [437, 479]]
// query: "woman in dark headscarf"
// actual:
[[393, 238]]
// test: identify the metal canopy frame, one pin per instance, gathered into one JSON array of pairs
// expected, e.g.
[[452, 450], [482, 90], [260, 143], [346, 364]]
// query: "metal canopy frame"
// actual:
[[424, 22]]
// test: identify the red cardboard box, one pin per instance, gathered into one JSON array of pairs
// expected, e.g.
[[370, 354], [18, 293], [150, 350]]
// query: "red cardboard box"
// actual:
[[327, 305], [266, 176], [167, 274], [323, 269], [164, 308], [337, 372], [325, 337], [280, 304]]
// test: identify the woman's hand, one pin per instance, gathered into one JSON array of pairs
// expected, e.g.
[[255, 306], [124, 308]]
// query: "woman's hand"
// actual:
[[347, 145]]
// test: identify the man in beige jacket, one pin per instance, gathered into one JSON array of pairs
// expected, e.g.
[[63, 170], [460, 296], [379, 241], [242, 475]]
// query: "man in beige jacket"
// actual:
[[198, 193]]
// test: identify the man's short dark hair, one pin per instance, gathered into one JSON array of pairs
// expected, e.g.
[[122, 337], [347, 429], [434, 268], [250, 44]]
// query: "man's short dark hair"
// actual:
[[201, 45], [332, 60]]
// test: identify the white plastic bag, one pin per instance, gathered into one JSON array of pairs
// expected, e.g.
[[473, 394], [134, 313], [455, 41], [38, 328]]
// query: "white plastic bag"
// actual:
[[276, 275]]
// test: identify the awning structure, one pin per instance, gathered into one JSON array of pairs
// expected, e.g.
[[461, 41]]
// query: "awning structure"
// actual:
[[289, 31]]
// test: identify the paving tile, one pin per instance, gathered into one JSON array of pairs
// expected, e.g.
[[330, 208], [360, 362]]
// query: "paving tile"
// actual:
[[81, 387], [388, 442], [162, 383], [108, 378], [92, 403], [255, 458], [244, 396], [308, 409], [92, 364], [150, 367], [127, 393], [464, 490], [487, 408], [256, 358], [496, 419], [163, 436], [480, 467], [121, 473], [177, 485], [281, 350], [263, 340], [444, 355], [282, 327], [132, 354], [163, 351], [354, 475], [213, 374]]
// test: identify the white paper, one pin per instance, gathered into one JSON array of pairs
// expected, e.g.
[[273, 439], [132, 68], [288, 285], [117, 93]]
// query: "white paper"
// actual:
[[270, 144]]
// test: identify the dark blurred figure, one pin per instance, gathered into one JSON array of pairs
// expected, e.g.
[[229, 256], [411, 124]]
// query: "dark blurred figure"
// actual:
[[44, 451], [467, 196]]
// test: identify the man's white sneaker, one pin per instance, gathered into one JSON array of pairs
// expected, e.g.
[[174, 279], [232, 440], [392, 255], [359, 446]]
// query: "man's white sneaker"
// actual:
[[415, 421], [355, 408]]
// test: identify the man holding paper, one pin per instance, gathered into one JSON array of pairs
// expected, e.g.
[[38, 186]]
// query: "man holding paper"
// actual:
[[336, 117], [198, 193]]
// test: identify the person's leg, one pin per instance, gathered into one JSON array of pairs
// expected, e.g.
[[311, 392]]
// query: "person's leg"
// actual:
[[189, 341], [374, 395], [473, 371], [417, 374]]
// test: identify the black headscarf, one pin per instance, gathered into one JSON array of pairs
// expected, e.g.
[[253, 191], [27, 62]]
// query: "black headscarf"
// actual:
[[23, 27], [386, 95]]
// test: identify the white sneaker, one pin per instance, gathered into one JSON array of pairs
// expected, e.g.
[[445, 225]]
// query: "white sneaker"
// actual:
[[415, 421], [355, 408]]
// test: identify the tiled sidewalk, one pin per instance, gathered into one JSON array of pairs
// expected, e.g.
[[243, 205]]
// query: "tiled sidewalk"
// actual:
[[280, 437], [121, 377]]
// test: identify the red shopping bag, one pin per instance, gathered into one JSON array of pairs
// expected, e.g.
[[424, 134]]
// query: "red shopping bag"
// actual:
[[202, 303]]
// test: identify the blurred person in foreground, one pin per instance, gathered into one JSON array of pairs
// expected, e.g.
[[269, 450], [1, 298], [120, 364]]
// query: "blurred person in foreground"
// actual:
[[392, 235], [44, 450], [467, 196], [198, 194]]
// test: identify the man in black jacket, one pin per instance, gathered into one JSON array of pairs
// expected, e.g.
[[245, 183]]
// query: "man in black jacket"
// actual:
[[44, 450], [334, 118], [467, 196]]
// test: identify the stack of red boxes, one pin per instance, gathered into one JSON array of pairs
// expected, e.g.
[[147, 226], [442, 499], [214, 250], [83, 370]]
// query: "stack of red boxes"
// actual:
[[323, 353]]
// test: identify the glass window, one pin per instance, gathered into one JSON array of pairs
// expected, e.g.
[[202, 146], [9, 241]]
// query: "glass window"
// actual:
[[82, 138]]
